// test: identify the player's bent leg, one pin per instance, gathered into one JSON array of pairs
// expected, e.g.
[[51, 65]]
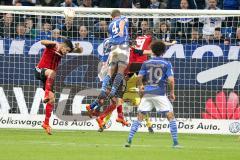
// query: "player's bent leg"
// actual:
[[120, 118], [106, 80], [50, 76], [91, 108], [100, 119], [173, 129], [118, 79], [105, 123], [103, 94], [48, 111], [134, 129]]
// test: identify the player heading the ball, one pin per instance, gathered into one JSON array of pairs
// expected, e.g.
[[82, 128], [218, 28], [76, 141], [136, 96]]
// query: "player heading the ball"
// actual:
[[118, 46], [119, 54], [45, 71]]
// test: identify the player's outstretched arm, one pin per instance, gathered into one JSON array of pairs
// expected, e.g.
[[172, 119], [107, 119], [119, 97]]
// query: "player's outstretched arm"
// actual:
[[48, 43], [147, 52], [171, 82], [142, 52]]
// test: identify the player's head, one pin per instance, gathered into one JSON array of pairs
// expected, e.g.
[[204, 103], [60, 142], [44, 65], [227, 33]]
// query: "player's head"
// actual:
[[66, 47], [158, 47], [115, 13]]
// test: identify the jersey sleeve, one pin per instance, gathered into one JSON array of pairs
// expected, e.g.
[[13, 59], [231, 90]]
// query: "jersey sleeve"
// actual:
[[169, 72], [143, 70]]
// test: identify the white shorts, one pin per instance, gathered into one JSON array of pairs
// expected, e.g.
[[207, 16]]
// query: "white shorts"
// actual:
[[150, 101], [119, 53]]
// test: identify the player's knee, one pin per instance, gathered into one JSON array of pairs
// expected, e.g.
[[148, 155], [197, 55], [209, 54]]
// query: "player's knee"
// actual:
[[51, 100], [170, 116], [112, 69], [52, 74]]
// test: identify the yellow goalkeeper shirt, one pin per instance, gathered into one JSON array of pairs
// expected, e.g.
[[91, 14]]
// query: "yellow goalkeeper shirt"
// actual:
[[132, 84], [131, 93]]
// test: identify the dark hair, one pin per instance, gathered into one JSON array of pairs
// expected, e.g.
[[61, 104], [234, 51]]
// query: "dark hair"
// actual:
[[69, 44], [115, 13], [158, 47]]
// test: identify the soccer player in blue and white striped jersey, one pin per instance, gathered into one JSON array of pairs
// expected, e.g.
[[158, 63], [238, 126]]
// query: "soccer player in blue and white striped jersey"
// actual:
[[157, 72], [118, 45]]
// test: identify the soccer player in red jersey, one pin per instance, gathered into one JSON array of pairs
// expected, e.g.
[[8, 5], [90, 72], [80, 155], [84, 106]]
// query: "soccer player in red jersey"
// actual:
[[140, 51], [46, 72]]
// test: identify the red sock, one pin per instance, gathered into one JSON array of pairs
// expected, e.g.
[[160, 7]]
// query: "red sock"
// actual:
[[48, 111], [107, 111], [48, 86], [119, 111]]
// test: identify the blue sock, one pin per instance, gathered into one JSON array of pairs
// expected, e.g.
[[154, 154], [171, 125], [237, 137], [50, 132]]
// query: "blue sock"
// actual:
[[94, 104], [133, 130], [173, 130], [116, 83], [105, 83]]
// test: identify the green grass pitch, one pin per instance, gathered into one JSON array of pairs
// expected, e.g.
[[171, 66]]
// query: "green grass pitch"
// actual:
[[91, 145]]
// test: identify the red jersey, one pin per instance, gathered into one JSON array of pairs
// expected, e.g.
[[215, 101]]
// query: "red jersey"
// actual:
[[50, 59], [142, 43]]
